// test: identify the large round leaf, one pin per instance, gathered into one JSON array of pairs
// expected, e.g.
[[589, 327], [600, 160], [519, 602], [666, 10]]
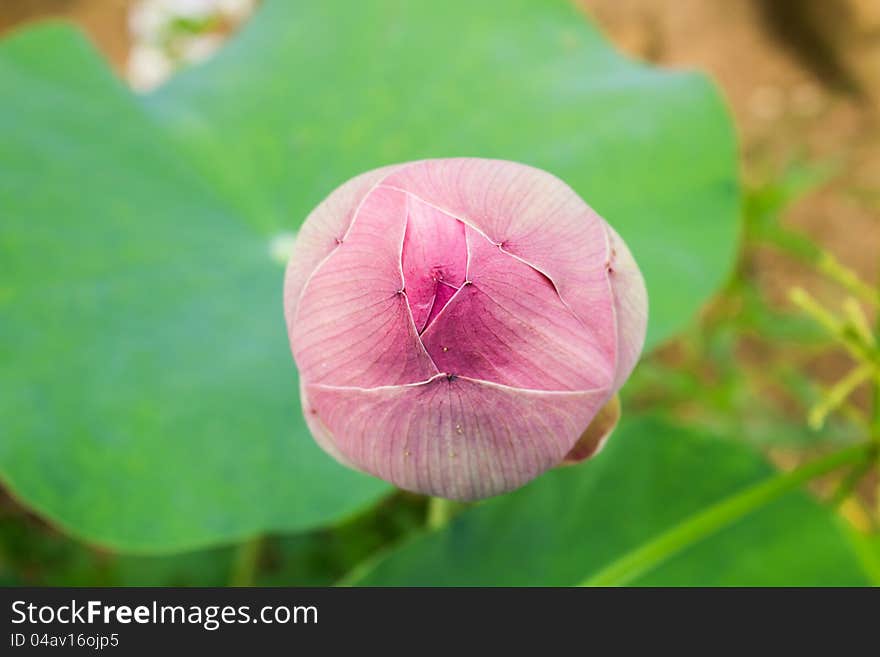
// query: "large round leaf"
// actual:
[[147, 396], [571, 523]]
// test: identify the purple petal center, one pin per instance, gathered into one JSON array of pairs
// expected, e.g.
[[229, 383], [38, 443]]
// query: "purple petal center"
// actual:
[[434, 260]]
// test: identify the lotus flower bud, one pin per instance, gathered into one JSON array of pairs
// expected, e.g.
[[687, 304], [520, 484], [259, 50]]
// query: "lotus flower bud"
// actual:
[[459, 323]]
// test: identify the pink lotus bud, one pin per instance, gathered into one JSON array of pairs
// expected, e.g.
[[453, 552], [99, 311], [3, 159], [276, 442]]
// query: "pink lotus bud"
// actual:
[[459, 323]]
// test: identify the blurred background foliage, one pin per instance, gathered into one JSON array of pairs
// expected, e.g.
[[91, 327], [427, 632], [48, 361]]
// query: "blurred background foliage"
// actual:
[[803, 81]]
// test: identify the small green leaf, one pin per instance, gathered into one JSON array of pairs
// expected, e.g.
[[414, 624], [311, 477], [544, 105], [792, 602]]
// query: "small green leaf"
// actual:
[[572, 523]]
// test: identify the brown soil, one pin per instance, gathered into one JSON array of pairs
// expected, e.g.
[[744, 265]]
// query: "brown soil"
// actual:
[[105, 21]]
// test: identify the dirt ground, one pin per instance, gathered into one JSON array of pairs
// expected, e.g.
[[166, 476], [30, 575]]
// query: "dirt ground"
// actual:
[[106, 21]]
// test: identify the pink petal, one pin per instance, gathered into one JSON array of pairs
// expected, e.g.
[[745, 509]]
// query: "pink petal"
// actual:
[[319, 430], [509, 326], [353, 325], [630, 307], [320, 233], [434, 260], [532, 215], [454, 437]]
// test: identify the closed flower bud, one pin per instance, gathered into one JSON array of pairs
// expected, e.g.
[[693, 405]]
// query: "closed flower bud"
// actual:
[[458, 324]]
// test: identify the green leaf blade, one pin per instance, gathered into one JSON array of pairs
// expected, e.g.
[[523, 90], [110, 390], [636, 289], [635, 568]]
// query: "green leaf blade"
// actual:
[[572, 523], [150, 401]]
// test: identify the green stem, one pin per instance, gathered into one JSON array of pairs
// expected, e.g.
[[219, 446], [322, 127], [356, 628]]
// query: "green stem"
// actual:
[[875, 436], [439, 513], [849, 482], [247, 560], [875, 417], [847, 278], [624, 570], [875, 412], [838, 393], [848, 338]]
